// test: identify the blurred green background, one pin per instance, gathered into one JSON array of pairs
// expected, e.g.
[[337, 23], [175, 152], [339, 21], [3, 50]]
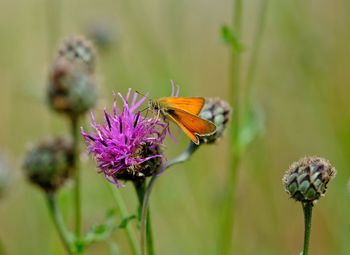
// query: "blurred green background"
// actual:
[[302, 85]]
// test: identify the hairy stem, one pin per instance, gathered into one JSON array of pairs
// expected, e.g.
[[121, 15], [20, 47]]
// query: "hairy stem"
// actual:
[[307, 208], [58, 221], [124, 213]]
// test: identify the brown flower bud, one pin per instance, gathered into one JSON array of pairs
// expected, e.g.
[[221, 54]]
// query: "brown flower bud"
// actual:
[[306, 180], [49, 164]]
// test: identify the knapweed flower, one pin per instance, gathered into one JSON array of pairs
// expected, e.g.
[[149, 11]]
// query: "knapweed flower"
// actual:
[[217, 111], [72, 88], [49, 164], [306, 180], [127, 146]]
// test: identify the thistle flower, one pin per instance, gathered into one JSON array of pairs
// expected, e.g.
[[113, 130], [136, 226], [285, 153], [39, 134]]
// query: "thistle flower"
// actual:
[[306, 180], [72, 89], [217, 111], [127, 146], [49, 164]]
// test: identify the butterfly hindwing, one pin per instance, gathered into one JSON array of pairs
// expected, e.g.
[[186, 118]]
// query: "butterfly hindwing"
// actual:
[[192, 125]]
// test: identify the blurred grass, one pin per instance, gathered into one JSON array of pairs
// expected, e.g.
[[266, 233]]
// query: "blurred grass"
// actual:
[[301, 82]]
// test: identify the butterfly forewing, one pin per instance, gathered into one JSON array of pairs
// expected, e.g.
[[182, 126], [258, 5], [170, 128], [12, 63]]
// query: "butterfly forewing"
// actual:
[[192, 105]]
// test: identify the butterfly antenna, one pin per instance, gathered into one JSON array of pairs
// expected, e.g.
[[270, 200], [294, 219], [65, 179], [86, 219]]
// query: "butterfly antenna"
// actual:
[[145, 109], [138, 92]]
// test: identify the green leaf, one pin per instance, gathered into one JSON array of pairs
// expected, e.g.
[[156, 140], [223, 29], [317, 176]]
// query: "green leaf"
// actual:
[[101, 231], [251, 127], [231, 38], [126, 220]]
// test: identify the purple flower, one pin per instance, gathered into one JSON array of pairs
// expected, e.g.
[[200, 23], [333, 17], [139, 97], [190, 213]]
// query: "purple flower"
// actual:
[[128, 145]]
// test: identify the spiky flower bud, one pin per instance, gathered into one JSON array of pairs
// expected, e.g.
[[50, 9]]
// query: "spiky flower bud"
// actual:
[[49, 164], [306, 180], [79, 51], [217, 111], [72, 88]]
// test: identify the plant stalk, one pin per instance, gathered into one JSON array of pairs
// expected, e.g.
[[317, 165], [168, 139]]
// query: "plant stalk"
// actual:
[[255, 54], [77, 178], [146, 227], [307, 208], [58, 221], [124, 213], [226, 226]]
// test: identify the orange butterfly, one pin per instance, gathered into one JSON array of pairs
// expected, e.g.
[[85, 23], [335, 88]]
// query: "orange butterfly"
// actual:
[[184, 112]]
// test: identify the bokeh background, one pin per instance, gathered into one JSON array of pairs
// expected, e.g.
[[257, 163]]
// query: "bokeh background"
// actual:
[[301, 85]]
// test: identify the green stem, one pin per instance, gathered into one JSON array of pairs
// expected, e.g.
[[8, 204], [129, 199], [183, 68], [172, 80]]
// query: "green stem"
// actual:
[[146, 228], [307, 208], [77, 195], [255, 53], [149, 235], [184, 156], [226, 231], [145, 218], [58, 221], [124, 213]]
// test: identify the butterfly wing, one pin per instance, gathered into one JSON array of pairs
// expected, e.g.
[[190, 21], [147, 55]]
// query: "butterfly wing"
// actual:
[[192, 105], [192, 125]]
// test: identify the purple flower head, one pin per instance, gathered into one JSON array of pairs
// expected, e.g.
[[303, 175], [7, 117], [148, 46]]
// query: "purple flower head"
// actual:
[[127, 146]]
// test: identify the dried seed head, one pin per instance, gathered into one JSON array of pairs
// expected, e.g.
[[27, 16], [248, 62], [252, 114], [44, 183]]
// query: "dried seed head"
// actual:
[[72, 89], [217, 111], [49, 164], [306, 180]]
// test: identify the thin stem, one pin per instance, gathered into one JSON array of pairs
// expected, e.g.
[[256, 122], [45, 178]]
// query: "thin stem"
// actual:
[[145, 218], [124, 213], [307, 208], [184, 156], [58, 221], [255, 52], [146, 229], [144, 212], [77, 195], [226, 231], [149, 235]]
